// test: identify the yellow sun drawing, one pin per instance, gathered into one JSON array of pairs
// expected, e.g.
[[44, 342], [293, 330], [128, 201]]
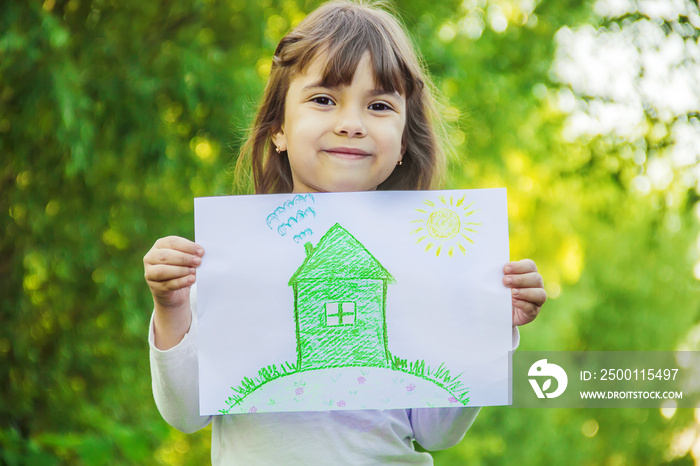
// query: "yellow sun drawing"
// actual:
[[445, 226]]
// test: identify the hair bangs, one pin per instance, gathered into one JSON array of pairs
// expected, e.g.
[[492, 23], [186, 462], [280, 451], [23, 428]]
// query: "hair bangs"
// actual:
[[344, 46]]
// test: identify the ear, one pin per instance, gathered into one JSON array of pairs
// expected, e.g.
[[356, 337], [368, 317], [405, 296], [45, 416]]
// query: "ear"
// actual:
[[279, 139]]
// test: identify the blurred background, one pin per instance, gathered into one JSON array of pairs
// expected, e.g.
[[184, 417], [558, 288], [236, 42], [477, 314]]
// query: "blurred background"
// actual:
[[114, 114]]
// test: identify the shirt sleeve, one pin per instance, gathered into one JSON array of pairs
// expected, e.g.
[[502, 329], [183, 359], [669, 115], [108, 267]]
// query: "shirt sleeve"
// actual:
[[441, 428], [175, 378]]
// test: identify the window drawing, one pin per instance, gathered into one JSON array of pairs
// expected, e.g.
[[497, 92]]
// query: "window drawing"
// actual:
[[340, 313]]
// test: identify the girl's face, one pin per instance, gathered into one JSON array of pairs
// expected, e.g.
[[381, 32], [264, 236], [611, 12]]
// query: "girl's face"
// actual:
[[345, 138]]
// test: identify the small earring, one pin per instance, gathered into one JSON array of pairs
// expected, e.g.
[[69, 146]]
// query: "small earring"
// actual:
[[400, 162], [277, 149]]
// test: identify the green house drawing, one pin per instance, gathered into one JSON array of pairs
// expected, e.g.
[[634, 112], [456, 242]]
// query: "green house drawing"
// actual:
[[340, 295], [340, 300]]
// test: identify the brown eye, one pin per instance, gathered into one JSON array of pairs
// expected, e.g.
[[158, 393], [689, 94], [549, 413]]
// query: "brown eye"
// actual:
[[379, 107], [322, 100]]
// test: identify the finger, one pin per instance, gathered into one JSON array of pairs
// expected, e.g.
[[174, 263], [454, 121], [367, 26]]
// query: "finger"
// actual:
[[536, 296], [161, 273], [524, 312], [521, 266], [172, 257], [525, 280], [179, 244], [169, 286]]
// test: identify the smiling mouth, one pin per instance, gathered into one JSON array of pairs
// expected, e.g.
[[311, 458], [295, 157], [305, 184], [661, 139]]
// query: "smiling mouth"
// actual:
[[347, 152]]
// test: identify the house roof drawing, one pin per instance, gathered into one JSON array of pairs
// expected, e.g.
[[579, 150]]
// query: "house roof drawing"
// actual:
[[338, 255]]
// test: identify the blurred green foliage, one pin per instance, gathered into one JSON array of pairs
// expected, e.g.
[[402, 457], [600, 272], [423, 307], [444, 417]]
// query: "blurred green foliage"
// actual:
[[114, 114]]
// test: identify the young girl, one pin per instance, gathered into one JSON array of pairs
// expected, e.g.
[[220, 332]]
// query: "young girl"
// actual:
[[347, 107]]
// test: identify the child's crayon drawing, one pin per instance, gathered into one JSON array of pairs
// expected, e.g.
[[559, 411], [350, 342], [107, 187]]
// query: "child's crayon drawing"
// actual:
[[445, 225], [359, 318], [340, 298], [292, 216]]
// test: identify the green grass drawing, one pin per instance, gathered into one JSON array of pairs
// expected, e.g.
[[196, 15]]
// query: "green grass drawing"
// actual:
[[440, 377], [340, 295], [248, 385]]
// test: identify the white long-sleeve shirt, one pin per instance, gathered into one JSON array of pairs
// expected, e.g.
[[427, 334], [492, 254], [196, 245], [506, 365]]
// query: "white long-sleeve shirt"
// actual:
[[309, 438]]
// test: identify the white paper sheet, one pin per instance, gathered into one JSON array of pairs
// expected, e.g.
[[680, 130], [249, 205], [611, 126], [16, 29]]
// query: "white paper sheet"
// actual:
[[371, 300]]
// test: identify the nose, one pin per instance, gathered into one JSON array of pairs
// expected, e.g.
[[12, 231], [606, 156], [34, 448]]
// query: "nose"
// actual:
[[350, 123]]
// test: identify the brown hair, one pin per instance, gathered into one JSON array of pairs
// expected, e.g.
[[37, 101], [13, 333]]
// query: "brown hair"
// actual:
[[343, 31]]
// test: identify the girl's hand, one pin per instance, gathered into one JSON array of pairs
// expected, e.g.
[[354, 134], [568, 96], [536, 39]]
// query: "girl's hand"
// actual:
[[527, 287], [170, 269]]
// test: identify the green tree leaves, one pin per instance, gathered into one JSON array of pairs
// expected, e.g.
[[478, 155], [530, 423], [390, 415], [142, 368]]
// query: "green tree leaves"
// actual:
[[114, 114]]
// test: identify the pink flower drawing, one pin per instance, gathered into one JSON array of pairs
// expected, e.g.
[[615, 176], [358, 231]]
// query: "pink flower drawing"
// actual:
[[410, 387], [361, 380], [341, 404], [299, 391], [452, 399], [253, 410]]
